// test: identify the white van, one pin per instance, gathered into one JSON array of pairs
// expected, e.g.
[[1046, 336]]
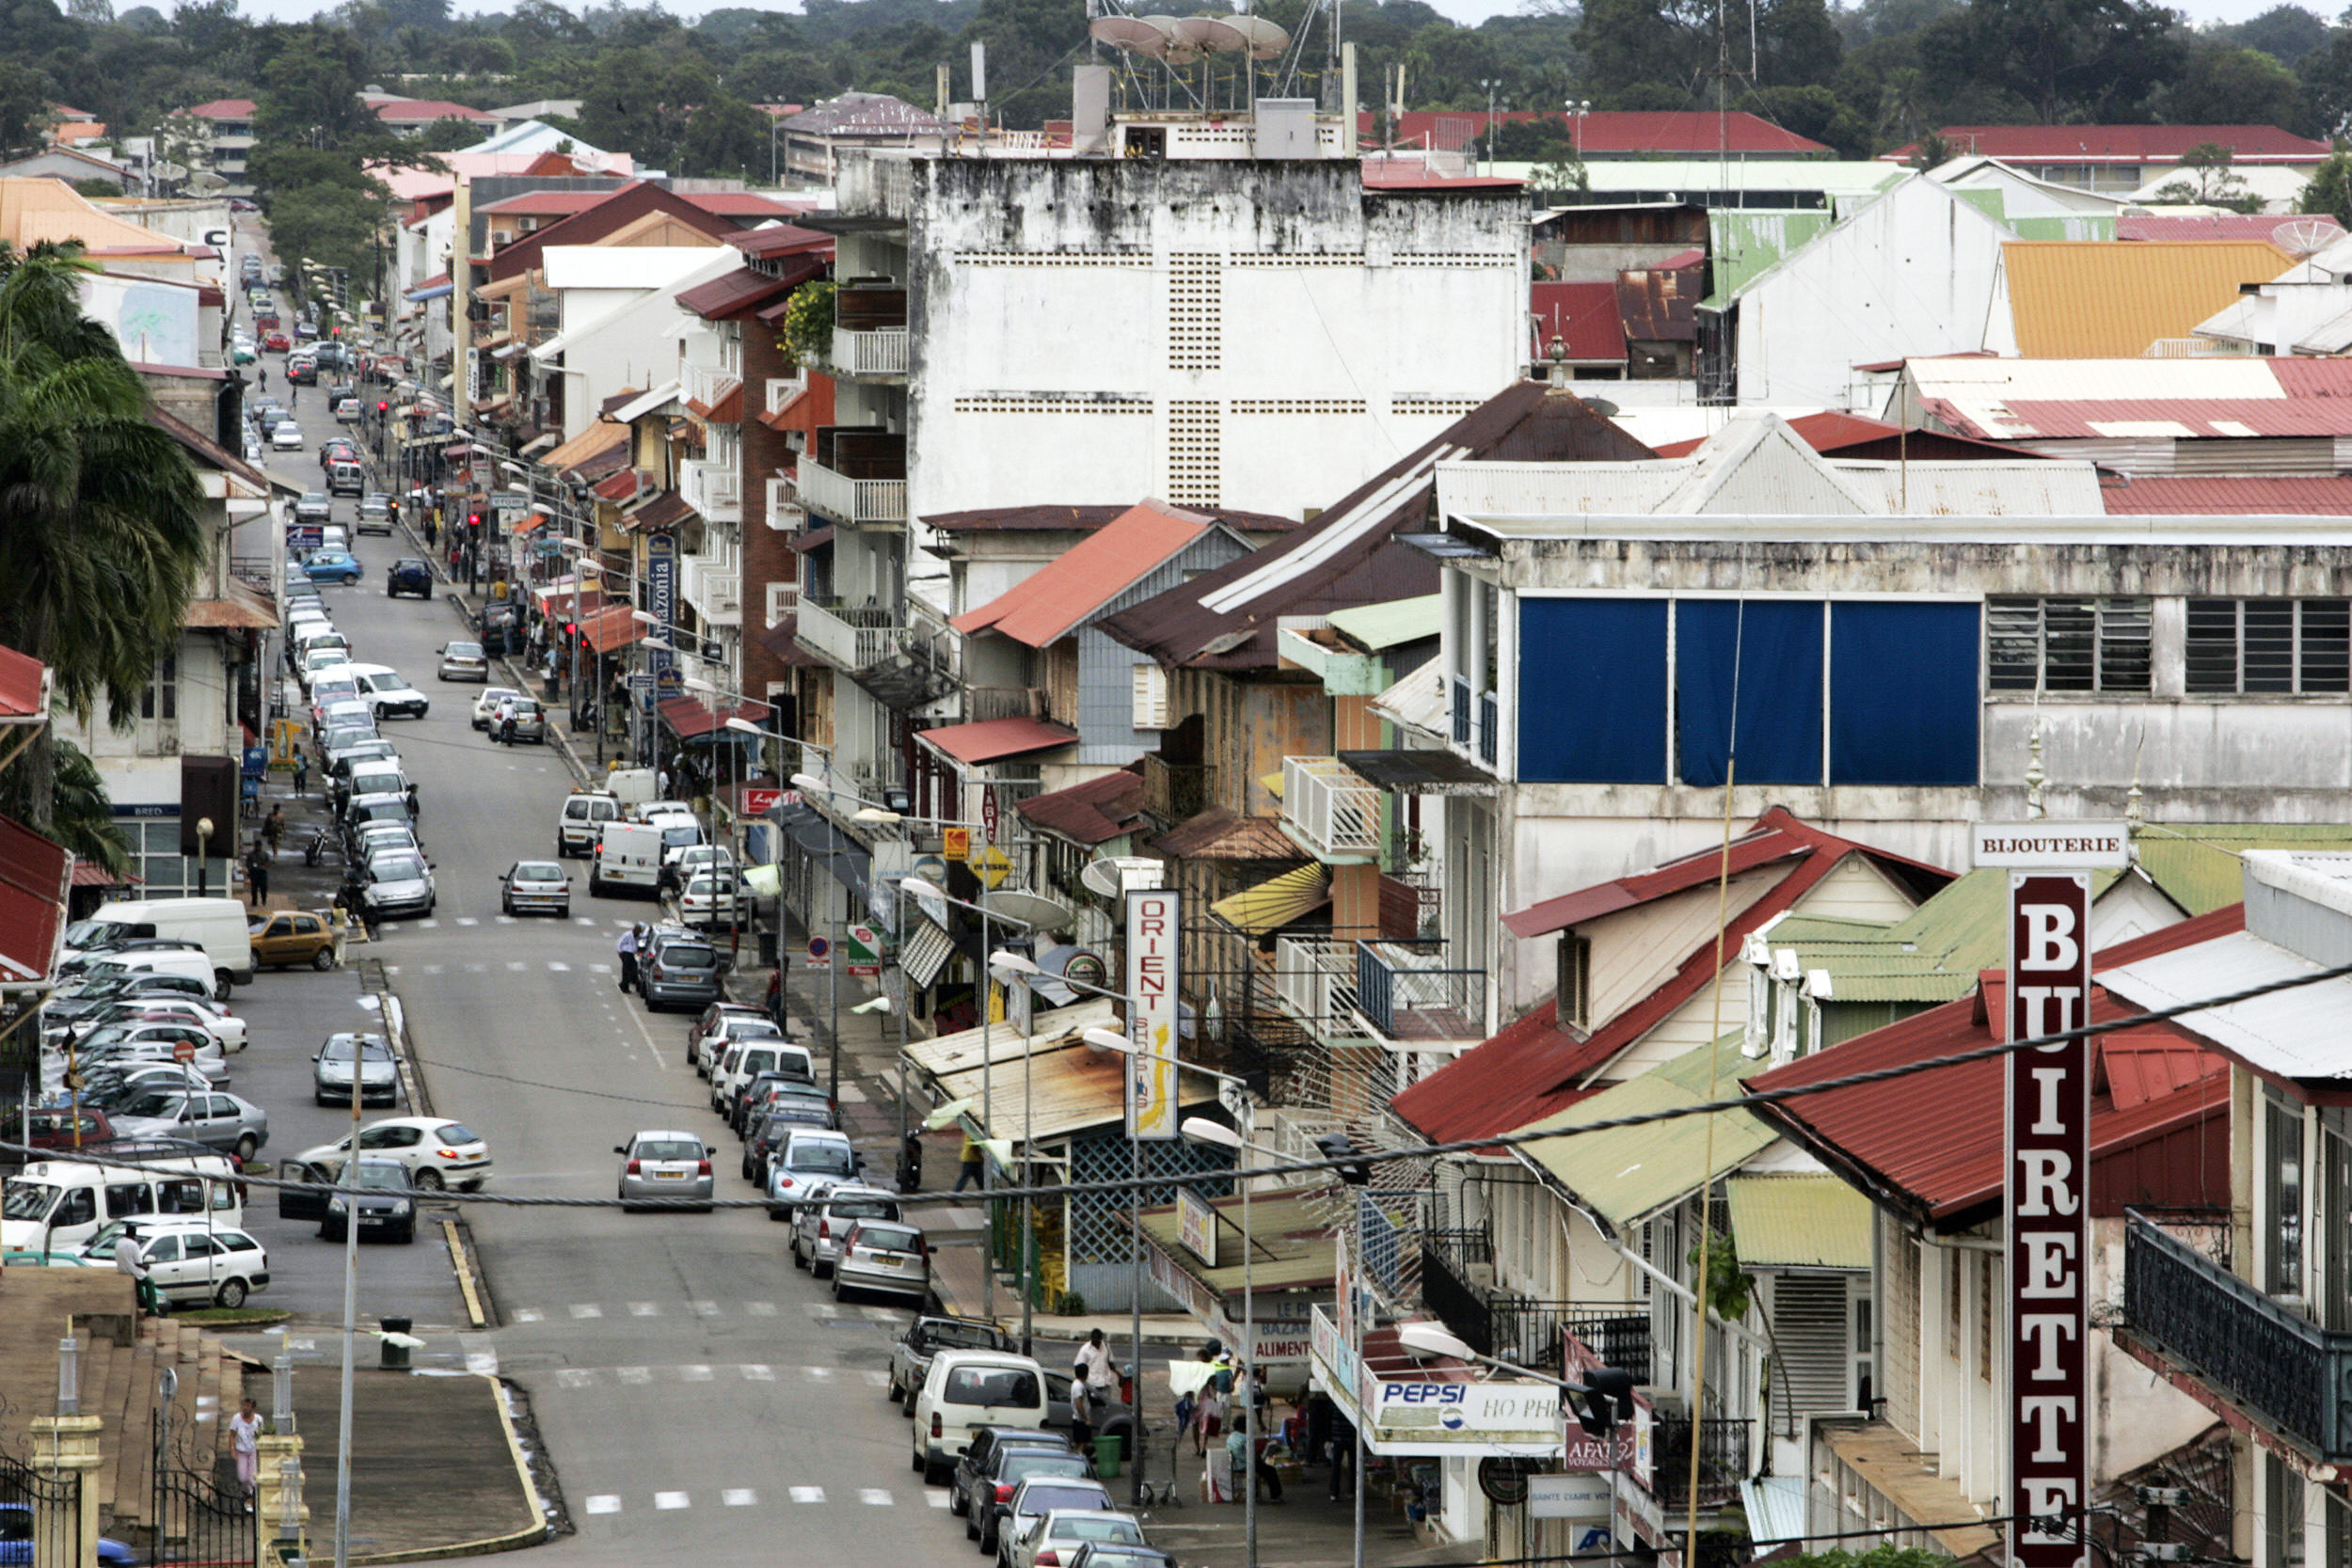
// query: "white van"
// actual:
[[190, 962], [747, 1059], [968, 1390], [577, 820], [631, 786], [53, 1204], [627, 855], [216, 924]]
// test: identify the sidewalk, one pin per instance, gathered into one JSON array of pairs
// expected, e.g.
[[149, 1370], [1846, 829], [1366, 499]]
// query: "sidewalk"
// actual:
[[1308, 1528]]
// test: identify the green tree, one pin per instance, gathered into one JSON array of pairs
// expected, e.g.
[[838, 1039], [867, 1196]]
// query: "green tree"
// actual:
[[2222, 85], [101, 510], [79, 813], [1628, 44], [311, 92], [2285, 33], [1888, 1556], [26, 94], [724, 136], [2208, 181], [2089, 59], [2330, 191], [1796, 47], [448, 136]]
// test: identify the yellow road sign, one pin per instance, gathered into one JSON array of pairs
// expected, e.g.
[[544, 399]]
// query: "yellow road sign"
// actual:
[[992, 866]]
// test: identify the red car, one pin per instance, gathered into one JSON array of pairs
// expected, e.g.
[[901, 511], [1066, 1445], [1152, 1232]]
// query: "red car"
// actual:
[[276, 343]]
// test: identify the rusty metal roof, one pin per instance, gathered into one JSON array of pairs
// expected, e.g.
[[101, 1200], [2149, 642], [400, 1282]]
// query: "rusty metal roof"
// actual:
[[35, 877], [1226, 619], [1045, 606], [1094, 812], [989, 738], [1218, 835], [1932, 1142], [1661, 304], [2314, 495]]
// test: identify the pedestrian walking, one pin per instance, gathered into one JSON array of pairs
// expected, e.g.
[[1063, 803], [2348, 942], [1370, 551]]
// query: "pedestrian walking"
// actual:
[[245, 1439], [1095, 1372], [662, 782], [969, 1162], [262, 379], [257, 876], [274, 829], [626, 948], [301, 773]]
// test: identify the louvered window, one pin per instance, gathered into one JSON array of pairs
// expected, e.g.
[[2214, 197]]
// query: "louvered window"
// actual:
[[2068, 644], [1149, 697], [2269, 646], [1813, 1375]]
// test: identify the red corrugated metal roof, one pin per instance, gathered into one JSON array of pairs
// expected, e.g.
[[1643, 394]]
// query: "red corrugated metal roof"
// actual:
[[1585, 317], [543, 203], [2248, 144], [2316, 495], [2233, 226], [35, 878], [1608, 131], [990, 739], [2137, 1067], [223, 108], [734, 291], [1933, 1141], [1478, 1094], [1094, 812], [688, 718], [24, 687], [612, 628], [425, 111], [2302, 376], [780, 239], [2077, 419], [1042, 608]]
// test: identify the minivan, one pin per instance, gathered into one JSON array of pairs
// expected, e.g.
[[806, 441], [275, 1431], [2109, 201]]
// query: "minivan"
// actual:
[[576, 823], [345, 479], [680, 969], [59, 1203], [968, 1390], [216, 924]]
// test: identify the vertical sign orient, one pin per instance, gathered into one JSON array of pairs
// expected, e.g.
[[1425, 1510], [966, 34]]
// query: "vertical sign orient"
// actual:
[[1154, 931]]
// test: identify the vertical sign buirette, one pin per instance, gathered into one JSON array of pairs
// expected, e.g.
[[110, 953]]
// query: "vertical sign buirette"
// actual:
[[2047, 1209]]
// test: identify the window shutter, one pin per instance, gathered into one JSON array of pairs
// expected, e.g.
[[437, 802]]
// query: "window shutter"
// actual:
[[1150, 697], [1575, 981], [1809, 1319]]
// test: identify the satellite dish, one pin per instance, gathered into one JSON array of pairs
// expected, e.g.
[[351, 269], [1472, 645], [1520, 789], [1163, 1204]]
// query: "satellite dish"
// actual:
[[1032, 909], [1266, 41], [169, 172], [1114, 873], [1208, 35], [1179, 49], [2308, 236], [1131, 33]]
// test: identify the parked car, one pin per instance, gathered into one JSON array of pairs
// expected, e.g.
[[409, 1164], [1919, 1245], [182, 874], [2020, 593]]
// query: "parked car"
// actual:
[[387, 693], [346, 1055], [486, 706], [287, 436], [465, 661], [710, 902], [409, 575], [530, 721], [983, 1459], [53, 1126], [665, 1165], [399, 883], [886, 1257], [277, 341], [529, 885], [438, 1152], [314, 506], [810, 1165], [776, 1123], [681, 969], [293, 937], [190, 1261], [217, 1121], [1063, 1531], [817, 1231], [720, 1025], [376, 513], [211, 1016], [381, 1197], [1118, 1553], [993, 1495], [967, 1390], [930, 1334]]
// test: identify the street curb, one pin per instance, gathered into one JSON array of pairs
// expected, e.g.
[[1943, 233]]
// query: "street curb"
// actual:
[[538, 1530], [459, 1254]]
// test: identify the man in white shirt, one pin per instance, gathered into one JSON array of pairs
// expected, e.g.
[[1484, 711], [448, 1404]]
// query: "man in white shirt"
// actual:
[[129, 1260], [1094, 1367], [626, 949], [504, 725]]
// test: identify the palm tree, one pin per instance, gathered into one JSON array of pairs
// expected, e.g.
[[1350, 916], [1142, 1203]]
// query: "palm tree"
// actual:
[[81, 817], [101, 523]]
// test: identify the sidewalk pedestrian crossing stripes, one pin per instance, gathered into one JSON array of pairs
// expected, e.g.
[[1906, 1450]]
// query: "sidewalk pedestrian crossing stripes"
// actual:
[[602, 1503], [824, 1311]]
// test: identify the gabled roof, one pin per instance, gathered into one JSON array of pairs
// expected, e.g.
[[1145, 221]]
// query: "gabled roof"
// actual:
[[2011, 400], [1094, 812], [207, 451], [223, 108], [1931, 1144], [988, 739], [1543, 1071], [617, 210], [1226, 619], [601, 436], [745, 288], [2090, 299], [36, 876], [2043, 144], [779, 239], [1045, 606]]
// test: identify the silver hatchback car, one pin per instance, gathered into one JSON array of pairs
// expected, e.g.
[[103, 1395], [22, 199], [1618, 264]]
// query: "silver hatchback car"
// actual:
[[817, 1231], [665, 1165], [465, 661], [333, 1070]]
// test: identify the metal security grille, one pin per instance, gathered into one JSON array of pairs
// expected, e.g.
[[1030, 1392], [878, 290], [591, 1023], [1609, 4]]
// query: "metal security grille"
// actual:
[[1098, 1221], [1195, 463], [2068, 644], [2269, 646], [1196, 311]]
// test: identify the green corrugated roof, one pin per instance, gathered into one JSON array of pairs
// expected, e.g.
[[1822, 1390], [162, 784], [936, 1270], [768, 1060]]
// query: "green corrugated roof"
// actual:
[[1745, 242], [1824, 928], [1377, 626], [2198, 868], [1799, 1220], [1627, 1174]]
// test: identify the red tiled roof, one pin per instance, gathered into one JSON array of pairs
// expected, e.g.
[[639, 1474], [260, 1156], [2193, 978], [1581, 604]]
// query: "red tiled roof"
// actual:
[[620, 487], [1585, 318], [2315, 495], [1044, 606], [742, 204], [23, 688], [35, 877], [2233, 226], [1608, 131], [1933, 1141], [223, 108], [732, 294], [2146, 144], [1477, 1094], [666, 510], [2135, 1068], [990, 739], [1094, 812]]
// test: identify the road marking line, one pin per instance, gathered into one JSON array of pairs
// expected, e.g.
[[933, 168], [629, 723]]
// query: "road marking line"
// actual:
[[436, 969], [756, 1371], [704, 1308], [586, 1309], [575, 1377], [604, 1503], [584, 919], [878, 1380], [528, 1315], [739, 1496], [643, 1309], [559, 968], [823, 1310], [936, 1498], [875, 1496], [637, 1375], [808, 1494], [891, 1316], [301, 1345], [760, 1308], [503, 919], [517, 965], [391, 969], [694, 1374], [467, 920], [476, 969], [817, 1374], [671, 1499], [601, 968], [484, 1362]]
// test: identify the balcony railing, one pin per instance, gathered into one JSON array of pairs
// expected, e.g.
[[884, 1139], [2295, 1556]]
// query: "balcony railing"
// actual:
[[783, 391], [2251, 1350], [1724, 1464], [850, 637], [1315, 979], [1331, 808], [882, 351], [1174, 791], [707, 384], [713, 489], [845, 500], [1406, 991], [1520, 1329]]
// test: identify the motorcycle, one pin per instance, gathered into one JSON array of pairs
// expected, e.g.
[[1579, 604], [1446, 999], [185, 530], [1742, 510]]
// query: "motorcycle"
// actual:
[[316, 847]]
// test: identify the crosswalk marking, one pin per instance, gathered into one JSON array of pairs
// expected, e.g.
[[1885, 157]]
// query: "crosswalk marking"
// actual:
[[817, 1374], [430, 923], [758, 1372], [467, 920], [694, 1374], [875, 1496], [599, 969], [633, 1374], [808, 1494], [823, 1311], [699, 1371], [670, 1500], [747, 1497], [875, 1379], [559, 968], [436, 969], [574, 1377], [704, 1308], [528, 1315], [476, 969], [517, 964], [503, 919], [586, 1309], [936, 1498], [604, 1503], [760, 1308], [643, 1309], [739, 1496]]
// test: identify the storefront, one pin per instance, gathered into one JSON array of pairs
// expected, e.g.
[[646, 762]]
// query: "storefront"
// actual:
[[1193, 1250]]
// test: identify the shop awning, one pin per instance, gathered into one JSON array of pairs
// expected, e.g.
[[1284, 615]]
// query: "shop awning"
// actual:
[[1276, 901], [1291, 1240], [565, 598], [36, 875], [612, 629], [926, 953], [688, 718], [530, 521], [991, 739]]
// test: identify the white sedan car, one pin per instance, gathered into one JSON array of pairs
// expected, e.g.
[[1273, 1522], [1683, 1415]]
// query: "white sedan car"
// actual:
[[438, 1151], [211, 1016], [190, 1259], [286, 437], [486, 706]]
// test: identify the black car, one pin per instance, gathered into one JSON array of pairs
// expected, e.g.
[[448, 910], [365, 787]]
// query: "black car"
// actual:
[[384, 1197], [408, 575]]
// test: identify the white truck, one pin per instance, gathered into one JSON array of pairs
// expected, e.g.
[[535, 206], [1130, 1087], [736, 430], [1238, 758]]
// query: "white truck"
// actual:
[[627, 855]]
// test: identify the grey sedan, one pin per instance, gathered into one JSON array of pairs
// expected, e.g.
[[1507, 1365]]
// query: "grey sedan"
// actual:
[[217, 1121], [665, 1165], [465, 661], [529, 885], [333, 1067]]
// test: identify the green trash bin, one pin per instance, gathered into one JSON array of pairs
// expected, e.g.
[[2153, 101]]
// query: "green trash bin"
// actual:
[[1106, 1456]]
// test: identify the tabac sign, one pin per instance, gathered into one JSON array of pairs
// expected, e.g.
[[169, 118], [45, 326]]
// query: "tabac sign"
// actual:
[[2047, 1185]]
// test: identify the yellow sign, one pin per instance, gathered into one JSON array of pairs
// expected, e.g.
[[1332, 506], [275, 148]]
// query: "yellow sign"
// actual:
[[992, 866], [956, 842], [284, 736]]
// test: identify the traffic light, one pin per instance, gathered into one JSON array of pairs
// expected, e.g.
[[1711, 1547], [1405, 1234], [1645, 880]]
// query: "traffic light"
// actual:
[[1603, 1400], [570, 630], [383, 407], [1338, 1145]]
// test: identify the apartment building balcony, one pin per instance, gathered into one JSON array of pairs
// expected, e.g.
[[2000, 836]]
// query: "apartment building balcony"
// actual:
[[708, 384], [1176, 792], [1457, 1284], [869, 333], [850, 637], [1314, 979], [713, 489], [1722, 1443], [2226, 1343], [856, 475], [1332, 810], [1407, 991], [782, 391], [715, 587]]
